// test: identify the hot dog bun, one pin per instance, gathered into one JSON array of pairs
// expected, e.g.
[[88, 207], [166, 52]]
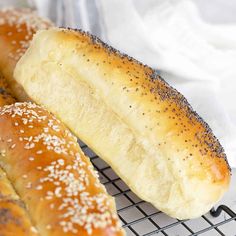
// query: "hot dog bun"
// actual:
[[132, 118]]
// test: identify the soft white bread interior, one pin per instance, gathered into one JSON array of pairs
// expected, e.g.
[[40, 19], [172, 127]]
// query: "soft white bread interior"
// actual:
[[131, 117]]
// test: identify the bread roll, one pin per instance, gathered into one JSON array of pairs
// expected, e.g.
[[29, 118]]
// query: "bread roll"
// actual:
[[17, 27], [131, 117], [55, 181]]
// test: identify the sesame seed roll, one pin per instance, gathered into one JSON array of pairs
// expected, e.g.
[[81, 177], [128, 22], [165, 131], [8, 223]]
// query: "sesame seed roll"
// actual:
[[17, 27], [53, 178]]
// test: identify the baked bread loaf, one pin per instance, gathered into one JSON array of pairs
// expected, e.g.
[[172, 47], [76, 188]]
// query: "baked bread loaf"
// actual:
[[131, 117], [56, 183], [17, 27]]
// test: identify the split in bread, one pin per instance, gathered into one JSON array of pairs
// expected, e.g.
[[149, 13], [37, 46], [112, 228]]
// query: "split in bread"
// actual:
[[14, 218]]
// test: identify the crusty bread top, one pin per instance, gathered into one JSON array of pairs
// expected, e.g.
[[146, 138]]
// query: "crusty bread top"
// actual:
[[17, 27]]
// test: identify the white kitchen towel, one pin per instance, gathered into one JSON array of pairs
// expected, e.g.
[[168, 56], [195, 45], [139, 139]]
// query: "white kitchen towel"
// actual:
[[197, 58]]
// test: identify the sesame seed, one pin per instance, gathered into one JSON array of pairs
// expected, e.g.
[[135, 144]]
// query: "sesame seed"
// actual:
[[57, 191], [33, 229], [29, 146], [3, 153], [48, 227], [61, 162], [39, 187], [45, 129], [28, 185]]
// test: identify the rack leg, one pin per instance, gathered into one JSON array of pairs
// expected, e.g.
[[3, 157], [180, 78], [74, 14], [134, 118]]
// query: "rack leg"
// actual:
[[216, 212]]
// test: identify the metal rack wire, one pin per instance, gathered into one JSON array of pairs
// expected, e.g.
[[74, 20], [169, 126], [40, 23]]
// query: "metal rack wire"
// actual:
[[141, 218]]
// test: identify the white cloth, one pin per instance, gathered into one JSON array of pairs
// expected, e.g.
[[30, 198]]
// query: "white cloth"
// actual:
[[197, 58]]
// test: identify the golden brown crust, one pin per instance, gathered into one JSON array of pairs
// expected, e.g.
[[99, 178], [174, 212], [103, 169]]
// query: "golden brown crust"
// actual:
[[54, 179], [17, 27]]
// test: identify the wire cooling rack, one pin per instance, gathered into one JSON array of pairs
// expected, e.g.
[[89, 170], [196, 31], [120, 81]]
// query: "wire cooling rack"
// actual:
[[141, 218]]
